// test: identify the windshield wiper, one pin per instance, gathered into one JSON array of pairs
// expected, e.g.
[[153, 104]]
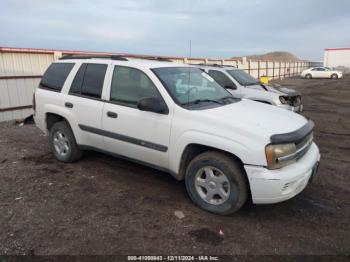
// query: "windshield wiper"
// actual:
[[252, 84], [201, 101], [226, 97]]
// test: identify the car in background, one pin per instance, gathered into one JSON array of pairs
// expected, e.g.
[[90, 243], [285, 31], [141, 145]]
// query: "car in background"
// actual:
[[242, 85], [321, 72]]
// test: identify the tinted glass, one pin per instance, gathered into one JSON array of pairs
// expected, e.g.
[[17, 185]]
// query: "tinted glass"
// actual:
[[93, 80], [221, 78], [78, 80], [190, 85], [56, 75], [129, 85], [242, 77]]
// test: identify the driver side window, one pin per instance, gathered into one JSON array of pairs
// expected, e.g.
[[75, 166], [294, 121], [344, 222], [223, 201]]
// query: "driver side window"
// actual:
[[129, 85], [221, 78]]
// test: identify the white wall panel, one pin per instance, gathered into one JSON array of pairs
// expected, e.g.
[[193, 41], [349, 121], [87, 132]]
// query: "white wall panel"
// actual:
[[18, 91]]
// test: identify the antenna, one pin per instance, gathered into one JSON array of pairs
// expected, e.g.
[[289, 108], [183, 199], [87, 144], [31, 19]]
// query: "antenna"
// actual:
[[189, 74]]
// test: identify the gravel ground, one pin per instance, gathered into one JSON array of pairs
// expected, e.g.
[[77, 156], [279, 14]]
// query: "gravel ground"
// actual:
[[104, 205]]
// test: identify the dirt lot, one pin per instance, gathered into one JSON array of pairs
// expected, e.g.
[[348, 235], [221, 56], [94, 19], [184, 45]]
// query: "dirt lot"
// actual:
[[103, 205]]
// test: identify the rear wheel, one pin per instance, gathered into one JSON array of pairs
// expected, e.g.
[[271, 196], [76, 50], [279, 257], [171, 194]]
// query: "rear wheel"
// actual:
[[62, 143], [334, 76], [216, 182], [308, 76]]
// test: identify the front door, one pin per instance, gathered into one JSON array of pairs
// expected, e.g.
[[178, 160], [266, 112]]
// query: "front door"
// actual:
[[130, 132]]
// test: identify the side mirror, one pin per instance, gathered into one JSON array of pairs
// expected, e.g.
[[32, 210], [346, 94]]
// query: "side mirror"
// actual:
[[152, 104], [231, 87]]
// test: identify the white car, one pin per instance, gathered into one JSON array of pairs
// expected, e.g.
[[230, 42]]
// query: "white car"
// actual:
[[177, 119], [243, 85], [321, 72]]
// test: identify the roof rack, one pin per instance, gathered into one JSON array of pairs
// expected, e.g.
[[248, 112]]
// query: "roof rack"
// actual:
[[156, 58], [113, 57], [213, 65]]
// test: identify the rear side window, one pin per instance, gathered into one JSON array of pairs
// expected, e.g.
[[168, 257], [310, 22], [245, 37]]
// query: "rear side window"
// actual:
[[55, 76], [221, 78], [89, 80]]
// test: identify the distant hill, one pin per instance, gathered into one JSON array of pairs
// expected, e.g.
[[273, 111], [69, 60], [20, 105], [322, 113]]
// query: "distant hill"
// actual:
[[274, 56]]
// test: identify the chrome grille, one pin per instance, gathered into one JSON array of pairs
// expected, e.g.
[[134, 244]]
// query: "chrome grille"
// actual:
[[294, 101], [304, 145]]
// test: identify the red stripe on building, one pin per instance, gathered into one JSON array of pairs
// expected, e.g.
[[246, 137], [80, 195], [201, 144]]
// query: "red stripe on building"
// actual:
[[337, 49]]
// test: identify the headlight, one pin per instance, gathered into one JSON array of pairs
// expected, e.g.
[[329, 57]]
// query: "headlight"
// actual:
[[284, 100], [278, 156]]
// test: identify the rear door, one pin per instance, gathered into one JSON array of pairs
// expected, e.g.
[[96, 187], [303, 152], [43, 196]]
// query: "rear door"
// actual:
[[85, 103], [128, 131]]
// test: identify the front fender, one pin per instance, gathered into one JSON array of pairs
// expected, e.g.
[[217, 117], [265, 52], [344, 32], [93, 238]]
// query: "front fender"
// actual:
[[249, 153]]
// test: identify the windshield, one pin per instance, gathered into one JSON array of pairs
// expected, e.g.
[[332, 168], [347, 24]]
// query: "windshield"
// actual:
[[242, 77], [188, 85]]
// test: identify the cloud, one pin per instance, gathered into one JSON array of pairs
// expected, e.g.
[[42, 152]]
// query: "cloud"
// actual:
[[221, 28]]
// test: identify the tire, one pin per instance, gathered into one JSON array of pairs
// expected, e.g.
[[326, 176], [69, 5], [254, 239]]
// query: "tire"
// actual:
[[227, 174], [63, 144], [308, 76], [334, 76]]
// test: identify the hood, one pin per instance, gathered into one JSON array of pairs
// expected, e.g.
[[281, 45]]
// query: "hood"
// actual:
[[279, 90], [254, 118], [282, 90]]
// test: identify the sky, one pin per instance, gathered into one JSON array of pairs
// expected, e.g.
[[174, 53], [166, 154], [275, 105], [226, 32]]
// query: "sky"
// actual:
[[216, 28]]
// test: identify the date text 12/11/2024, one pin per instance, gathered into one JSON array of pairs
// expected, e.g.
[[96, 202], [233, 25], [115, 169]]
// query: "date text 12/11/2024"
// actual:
[[173, 258]]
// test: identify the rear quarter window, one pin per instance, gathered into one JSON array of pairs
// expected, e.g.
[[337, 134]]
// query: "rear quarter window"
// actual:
[[55, 76], [89, 80]]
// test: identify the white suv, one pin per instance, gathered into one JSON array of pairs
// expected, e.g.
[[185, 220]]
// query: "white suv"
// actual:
[[241, 84], [176, 118]]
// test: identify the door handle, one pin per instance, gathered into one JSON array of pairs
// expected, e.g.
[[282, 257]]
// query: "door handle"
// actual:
[[112, 114], [68, 104]]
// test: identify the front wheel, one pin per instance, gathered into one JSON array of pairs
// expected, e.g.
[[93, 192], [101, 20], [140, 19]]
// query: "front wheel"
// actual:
[[216, 182], [308, 76]]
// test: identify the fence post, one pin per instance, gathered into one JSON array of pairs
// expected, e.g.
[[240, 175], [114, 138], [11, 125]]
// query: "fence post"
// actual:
[[248, 66], [289, 68], [279, 70], [57, 55], [259, 69], [298, 68]]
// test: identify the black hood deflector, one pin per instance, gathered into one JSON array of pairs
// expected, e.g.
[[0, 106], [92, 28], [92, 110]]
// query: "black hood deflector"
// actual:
[[295, 136]]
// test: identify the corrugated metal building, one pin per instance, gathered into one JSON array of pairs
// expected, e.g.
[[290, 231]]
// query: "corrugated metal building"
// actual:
[[19, 76], [337, 57], [22, 68], [20, 72]]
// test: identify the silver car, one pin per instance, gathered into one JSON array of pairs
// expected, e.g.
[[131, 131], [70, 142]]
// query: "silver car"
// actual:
[[243, 85]]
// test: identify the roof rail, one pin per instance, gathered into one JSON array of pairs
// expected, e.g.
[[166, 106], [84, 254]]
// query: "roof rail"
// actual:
[[113, 57]]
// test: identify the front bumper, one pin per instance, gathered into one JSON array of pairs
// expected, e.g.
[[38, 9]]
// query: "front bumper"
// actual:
[[296, 109], [273, 186]]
